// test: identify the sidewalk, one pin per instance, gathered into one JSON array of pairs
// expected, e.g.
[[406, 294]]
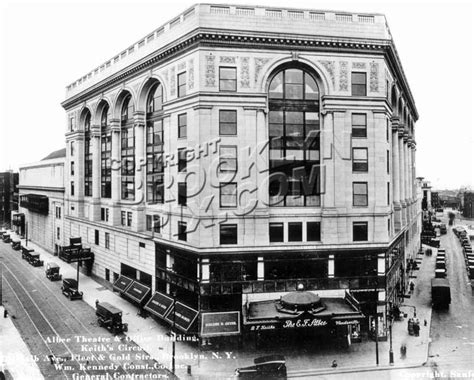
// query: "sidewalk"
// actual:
[[219, 364], [15, 359]]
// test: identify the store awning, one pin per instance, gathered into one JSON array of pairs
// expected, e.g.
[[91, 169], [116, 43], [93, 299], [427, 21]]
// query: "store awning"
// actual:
[[122, 284], [137, 291], [220, 323], [184, 317], [159, 304]]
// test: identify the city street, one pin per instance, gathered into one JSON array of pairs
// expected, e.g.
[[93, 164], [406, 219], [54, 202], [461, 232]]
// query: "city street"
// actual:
[[452, 331], [52, 325]]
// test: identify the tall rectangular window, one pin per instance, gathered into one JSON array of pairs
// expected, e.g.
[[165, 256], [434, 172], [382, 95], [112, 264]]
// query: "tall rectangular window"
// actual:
[[72, 188], [295, 231], [72, 149], [360, 160], [182, 196], [58, 233], [359, 84], [182, 163], [107, 240], [228, 233], [129, 219], [227, 122], [123, 218], [182, 231], [313, 231], [228, 194], [388, 161], [154, 162], [181, 84], [388, 193], [153, 223], [227, 79], [276, 232], [388, 130], [359, 125], [182, 126], [127, 167], [360, 194], [360, 231], [105, 164], [87, 163], [72, 167], [96, 237], [227, 159]]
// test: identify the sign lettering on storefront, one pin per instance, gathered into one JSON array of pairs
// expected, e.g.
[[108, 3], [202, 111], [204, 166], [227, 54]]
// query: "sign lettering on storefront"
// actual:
[[351, 322], [308, 322]]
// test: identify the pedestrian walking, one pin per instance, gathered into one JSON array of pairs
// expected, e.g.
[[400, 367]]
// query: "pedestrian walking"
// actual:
[[403, 351], [334, 363], [412, 286]]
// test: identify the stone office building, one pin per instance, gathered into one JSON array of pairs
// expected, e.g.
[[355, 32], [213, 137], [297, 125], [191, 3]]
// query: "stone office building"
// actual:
[[237, 154]]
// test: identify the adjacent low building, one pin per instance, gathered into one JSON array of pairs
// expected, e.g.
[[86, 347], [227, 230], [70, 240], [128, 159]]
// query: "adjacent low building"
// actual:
[[8, 196], [236, 155], [41, 192]]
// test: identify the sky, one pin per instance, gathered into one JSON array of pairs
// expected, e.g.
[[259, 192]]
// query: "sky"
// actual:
[[46, 45]]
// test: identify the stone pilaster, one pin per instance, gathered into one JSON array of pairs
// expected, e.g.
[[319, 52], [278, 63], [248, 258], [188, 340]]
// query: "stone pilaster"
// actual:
[[114, 211], [396, 175], [401, 181], [140, 171]]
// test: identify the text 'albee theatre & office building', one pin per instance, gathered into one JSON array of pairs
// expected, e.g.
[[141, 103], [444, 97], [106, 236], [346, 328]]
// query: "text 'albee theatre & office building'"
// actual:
[[257, 164]]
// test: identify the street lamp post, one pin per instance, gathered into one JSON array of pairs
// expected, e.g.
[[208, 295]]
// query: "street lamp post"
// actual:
[[173, 334], [390, 352]]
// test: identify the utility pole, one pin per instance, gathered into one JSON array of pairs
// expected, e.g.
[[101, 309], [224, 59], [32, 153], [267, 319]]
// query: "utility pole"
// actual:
[[390, 352], [173, 335]]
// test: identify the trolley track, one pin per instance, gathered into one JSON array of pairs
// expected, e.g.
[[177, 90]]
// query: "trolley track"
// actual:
[[70, 334]]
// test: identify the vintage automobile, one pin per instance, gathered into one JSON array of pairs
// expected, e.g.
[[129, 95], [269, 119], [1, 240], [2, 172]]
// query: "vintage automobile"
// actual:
[[266, 367], [52, 272], [6, 238], [25, 252], [110, 317], [34, 259], [440, 273], [442, 229], [70, 289], [440, 293], [16, 245]]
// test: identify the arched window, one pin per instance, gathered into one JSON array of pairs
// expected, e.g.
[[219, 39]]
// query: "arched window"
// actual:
[[294, 133], [87, 155], [154, 145], [127, 149], [105, 155]]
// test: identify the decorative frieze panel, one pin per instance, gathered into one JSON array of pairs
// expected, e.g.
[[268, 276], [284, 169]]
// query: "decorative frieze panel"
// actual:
[[191, 74], [227, 60], [173, 81], [374, 77], [343, 76], [259, 64], [166, 79], [330, 68], [359, 65], [244, 72], [210, 71], [182, 66]]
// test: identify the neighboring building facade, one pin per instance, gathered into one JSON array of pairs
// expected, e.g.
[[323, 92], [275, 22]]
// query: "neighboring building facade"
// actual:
[[8, 196], [435, 202], [229, 166], [468, 207], [42, 201]]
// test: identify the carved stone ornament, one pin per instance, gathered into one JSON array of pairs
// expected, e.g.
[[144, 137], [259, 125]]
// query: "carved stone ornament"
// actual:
[[343, 76], [330, 68], [191, 74], [374, 77], [359, 65], [244, 72], [210, 71], [173, 80], [182, 66], [259, 64], [227, 60]]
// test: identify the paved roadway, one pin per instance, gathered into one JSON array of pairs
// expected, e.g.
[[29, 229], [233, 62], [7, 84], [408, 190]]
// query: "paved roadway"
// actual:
[[452, 332], [51, 324]]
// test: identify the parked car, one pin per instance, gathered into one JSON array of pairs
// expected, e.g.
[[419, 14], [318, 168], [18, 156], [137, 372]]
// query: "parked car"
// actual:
[[266, 367], [70, 289], [16, 245], [34, 259], [110, 317], [52, 272], [440, 293], [442, 229]]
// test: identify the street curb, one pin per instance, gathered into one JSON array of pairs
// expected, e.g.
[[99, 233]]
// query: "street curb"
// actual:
[[312, 372]]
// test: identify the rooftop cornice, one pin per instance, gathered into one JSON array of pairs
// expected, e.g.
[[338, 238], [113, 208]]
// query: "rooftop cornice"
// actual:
[[239, 39]]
